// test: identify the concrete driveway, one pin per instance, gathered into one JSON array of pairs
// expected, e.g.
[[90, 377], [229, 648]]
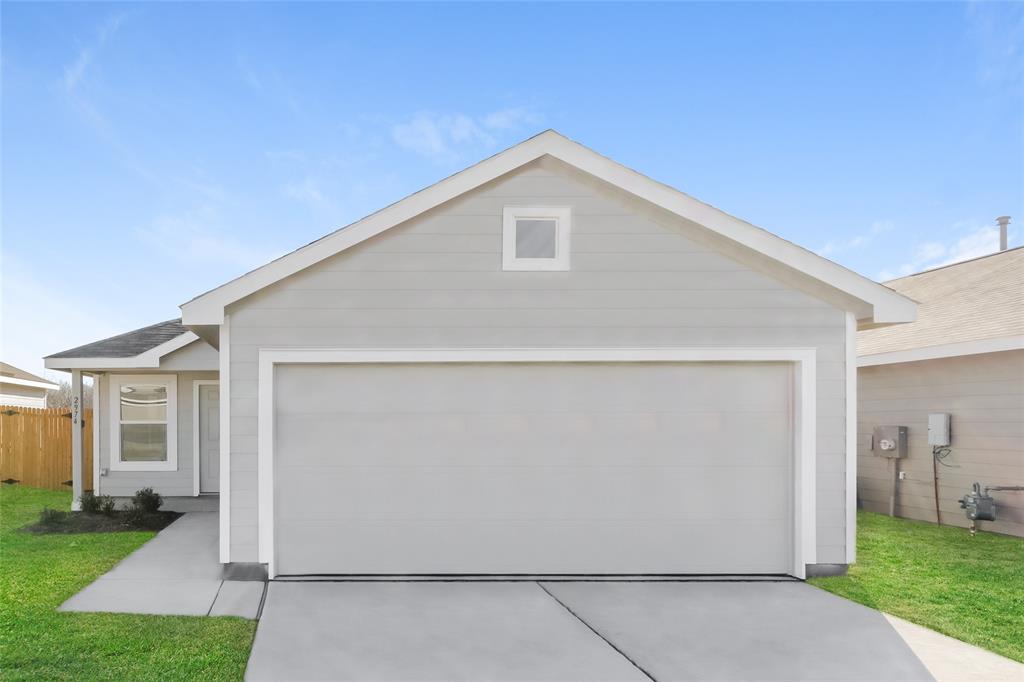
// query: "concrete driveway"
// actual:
[[573, 631]]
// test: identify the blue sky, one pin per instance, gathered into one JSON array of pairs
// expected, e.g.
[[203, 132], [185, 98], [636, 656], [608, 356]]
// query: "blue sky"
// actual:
[[153, 151]]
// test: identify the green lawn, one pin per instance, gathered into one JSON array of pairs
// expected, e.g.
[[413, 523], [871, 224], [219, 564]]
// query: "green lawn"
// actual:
[[38, 572], [940, 577]]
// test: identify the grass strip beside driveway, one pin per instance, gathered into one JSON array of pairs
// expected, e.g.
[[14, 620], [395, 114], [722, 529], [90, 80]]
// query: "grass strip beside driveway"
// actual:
[[940, 577], [39, 572]]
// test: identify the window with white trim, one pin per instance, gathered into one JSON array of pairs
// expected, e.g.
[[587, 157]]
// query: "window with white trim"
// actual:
[[144, 422], [536, 238]]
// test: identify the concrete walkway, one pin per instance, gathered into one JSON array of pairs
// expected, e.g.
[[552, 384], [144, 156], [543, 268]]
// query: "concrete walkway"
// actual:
[[950, 660], [573, 631], [176, 573]]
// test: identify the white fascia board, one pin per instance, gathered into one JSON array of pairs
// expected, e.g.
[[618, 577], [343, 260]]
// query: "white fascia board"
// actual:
[[148, 360], [888, 306], [29, 383], [949, 350]]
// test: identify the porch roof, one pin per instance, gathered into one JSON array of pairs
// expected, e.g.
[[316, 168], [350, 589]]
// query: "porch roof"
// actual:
[[138, 348], [129, 344]]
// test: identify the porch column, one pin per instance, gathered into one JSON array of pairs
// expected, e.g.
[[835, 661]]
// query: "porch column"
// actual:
[[77, 449]]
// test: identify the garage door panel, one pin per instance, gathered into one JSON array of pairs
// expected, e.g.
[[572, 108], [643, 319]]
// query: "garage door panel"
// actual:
[[523, 439], [511, 493], [510, 547], [528, 388], [533, 468]]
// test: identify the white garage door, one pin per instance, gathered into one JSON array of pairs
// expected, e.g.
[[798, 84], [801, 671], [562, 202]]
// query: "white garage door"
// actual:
[[543, 468]]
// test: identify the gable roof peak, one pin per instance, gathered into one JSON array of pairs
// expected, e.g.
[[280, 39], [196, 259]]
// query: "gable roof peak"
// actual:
[[884, 304]]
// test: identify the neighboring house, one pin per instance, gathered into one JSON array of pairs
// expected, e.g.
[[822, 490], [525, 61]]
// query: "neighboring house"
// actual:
[[19, 388], [544, 364], [964, 356]]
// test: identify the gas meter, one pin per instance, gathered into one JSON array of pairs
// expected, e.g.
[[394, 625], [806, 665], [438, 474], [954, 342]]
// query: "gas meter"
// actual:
[[979, 505]]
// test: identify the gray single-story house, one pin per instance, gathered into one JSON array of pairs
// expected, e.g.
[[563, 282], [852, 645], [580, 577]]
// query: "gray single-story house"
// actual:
[[963, 357], [19, 388], [545, 364]]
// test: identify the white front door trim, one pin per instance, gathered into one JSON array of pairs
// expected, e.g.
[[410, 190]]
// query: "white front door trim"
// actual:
[[803, 410], [196, 459]]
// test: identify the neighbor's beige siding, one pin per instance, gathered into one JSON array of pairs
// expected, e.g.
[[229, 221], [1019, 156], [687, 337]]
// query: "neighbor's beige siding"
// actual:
[[13, 395], [985, 396], [436, 281]]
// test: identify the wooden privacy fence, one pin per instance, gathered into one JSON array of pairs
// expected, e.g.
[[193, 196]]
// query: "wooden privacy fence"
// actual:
[[35, 447]]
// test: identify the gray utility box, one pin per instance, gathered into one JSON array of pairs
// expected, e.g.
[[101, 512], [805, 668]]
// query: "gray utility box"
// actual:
[[889, 441], [938, 429]]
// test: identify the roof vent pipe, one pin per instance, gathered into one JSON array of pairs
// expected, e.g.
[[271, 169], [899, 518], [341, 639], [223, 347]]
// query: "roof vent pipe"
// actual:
[[1003, 221]]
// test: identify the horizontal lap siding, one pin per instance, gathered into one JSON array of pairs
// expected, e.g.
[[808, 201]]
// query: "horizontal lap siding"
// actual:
[[437, 282], [985, 396], [167, 483]]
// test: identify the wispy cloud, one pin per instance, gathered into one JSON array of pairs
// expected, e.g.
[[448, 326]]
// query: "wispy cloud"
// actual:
[[308, 191], [435, 135], [837, 247], [442, 136], [197, 237], [75, 72], [248, 74], [74, 84], [973, 240], [997, 30], [511, 119], [269, 84]]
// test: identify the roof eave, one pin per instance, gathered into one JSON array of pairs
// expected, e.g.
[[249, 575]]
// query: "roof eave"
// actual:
[[29, 383], [948, 350], [895, 309]]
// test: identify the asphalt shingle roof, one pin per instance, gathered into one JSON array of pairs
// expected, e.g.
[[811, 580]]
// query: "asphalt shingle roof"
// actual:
[[975, 300], [129, 344]]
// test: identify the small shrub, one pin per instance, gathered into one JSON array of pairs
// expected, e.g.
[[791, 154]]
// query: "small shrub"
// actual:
[[147, 500], [107, 505], [90, 503], [51, 517], [136, 517]]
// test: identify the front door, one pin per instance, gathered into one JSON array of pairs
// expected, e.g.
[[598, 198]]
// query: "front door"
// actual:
[[209, 438]]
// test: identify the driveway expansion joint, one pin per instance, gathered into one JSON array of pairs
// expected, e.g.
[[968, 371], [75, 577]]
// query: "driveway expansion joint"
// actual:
[[595, 631], [219, 587]]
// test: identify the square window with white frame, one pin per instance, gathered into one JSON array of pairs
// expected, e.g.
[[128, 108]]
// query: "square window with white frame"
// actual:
[[536, 238], [143, 429]]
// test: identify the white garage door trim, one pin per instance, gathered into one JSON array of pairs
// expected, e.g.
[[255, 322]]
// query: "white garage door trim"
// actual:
[[803, 410]]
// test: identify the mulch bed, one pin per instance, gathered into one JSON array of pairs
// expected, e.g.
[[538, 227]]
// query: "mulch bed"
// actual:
[[83, 522]]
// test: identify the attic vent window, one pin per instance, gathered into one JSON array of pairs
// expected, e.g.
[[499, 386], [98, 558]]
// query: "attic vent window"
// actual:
[[536, 238]]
